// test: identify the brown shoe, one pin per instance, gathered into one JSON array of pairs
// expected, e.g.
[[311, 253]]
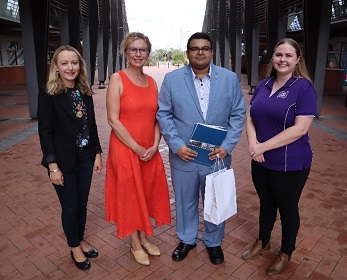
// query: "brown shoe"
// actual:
[[279, 264], [256, 251]]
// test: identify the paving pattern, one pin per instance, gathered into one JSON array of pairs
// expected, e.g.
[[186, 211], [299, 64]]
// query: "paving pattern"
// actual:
[[33, 245]]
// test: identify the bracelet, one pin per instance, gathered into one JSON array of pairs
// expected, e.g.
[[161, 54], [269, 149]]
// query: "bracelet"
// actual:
[[54, 170]]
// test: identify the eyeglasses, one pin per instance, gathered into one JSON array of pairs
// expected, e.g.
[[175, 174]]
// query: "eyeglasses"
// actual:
[[134, 51], [202, 49]]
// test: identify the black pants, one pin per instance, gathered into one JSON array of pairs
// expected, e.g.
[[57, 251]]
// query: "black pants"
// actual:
[[282, 191], [73, 197]]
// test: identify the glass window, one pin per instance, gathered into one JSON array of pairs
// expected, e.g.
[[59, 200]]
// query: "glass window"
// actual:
[[15, 53], [337, 55]]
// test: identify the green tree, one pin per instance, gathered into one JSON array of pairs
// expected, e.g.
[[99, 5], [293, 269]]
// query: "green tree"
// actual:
[[171, 55], [179, 57], [156, 56]]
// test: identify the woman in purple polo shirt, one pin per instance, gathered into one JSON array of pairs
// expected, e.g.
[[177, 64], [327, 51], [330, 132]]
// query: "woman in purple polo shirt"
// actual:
[[282, 109]]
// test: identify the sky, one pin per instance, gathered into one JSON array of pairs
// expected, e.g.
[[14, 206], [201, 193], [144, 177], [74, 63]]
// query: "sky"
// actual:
[[167, 23]]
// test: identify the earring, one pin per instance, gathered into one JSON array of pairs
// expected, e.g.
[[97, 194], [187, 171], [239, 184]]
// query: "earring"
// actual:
[[57, 71]]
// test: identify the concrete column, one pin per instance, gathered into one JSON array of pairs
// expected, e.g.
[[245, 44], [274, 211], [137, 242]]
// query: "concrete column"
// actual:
[[217, 54], [322, 50], [4, 52], [74, 12], [89, 33], [238, 53], [113, 58], [63, 28], [34, 18], [110, 61], [120, 61], [86, 47], [227, 54], [282, 28], [222, 32], [102, 63], [214, 32], [103, 42], [316, 30], [235, 39], [272, 26], [255, 57], [249, 36]]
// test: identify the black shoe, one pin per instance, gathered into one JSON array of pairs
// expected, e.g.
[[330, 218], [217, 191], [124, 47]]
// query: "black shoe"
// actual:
[[216, 254], [92, 253], [81, 265], [181, 251]]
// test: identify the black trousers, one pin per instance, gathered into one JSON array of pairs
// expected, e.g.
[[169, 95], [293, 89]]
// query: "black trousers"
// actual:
[[73, 197], [282, 191]]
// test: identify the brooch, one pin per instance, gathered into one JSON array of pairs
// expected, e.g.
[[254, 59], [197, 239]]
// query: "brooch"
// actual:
[[79, 114]]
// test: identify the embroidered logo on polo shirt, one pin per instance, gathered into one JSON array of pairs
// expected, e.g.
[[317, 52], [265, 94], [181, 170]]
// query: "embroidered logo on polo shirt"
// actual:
[[282, 94]]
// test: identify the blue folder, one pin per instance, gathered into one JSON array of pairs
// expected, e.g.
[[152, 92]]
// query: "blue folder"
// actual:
[[204, 139]]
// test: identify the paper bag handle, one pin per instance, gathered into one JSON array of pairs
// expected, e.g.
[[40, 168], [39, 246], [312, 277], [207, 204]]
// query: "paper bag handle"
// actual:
[[218, 163]]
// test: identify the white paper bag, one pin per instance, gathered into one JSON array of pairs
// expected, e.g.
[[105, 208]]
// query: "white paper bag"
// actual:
[[220, 196]]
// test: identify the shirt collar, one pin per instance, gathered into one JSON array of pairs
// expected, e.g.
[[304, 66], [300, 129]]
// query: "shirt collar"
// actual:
[[195, 76], [289, 83]]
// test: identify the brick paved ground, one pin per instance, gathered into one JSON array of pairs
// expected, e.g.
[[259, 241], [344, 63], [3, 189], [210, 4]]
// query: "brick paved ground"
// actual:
[[32, 243]]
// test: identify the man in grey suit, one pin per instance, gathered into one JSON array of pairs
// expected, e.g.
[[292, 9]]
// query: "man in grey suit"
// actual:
[[200, 92]]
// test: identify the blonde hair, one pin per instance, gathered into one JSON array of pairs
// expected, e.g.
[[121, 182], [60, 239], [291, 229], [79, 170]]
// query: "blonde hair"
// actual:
[[300, 68], [131, 37], [55, 84]]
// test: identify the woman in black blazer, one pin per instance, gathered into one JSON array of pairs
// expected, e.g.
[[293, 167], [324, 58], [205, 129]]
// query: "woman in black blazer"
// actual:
[[70, 144]]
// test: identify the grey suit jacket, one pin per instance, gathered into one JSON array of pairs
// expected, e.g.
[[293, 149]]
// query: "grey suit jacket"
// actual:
[[179, 109]]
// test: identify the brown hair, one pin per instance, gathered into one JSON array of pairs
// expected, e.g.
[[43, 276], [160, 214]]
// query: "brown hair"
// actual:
[[55, 84], [300, 69], [131, 37]]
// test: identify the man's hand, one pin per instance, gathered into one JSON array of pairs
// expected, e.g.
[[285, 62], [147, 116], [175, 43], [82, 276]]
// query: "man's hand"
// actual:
[[186, 154], [218, 151]]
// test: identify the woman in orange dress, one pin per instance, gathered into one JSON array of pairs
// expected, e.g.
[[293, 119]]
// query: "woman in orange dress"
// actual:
[[135, 187]]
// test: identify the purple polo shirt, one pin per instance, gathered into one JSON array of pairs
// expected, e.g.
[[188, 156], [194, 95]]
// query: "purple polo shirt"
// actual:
[[272, 115]]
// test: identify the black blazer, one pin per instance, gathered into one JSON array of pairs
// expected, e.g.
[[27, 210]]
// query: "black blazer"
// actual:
[[58, 129]]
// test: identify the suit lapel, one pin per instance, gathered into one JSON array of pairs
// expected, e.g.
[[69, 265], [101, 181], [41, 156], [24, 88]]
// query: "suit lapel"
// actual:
[[63, 101], [191, 87], [213, 90], [89, 107]]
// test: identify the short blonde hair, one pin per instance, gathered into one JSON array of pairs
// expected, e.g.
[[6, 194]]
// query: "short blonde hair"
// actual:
[[131, 37], [55, 84]]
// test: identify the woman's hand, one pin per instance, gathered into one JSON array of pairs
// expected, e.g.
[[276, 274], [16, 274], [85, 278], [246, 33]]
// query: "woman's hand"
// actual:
[[57, 177], [55, 174], [140, 151], [256, 152], [149, 153], [98, 163], [258, 158]]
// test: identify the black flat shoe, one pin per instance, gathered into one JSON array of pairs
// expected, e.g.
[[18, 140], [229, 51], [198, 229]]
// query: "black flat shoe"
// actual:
[[92, 253], [216, 254], [181, 251], [81, 265]]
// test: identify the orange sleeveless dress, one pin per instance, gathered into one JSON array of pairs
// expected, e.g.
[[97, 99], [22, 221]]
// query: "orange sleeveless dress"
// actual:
[[135, 190]]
